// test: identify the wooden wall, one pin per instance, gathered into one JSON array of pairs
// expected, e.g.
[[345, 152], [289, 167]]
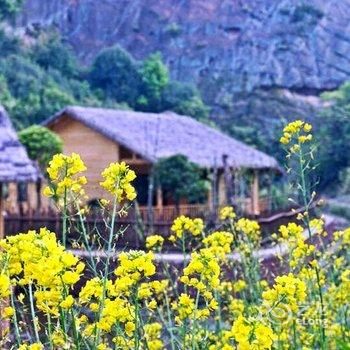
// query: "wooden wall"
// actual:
[[96, 150]]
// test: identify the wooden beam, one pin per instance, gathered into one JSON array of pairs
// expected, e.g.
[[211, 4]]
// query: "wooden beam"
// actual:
[[213, 199], [2, 207], [159, 197], [228, 180], [255, 194], [12, 198]]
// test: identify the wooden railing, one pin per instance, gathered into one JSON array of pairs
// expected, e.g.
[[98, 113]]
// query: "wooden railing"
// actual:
[[170, 212]]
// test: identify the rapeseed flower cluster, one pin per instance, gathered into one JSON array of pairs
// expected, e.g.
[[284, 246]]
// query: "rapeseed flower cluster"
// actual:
[[117, 181], [219, 242], [154, 242], [252, 334], [221, 295], [64, 173], [250, 229], [299, 250], [227, 213], [295, 134], [183, 225]]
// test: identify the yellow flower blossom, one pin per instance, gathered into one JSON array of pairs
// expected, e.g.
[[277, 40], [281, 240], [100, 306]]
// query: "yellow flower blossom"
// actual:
[[154, 241], [227, 213], [117, 181]]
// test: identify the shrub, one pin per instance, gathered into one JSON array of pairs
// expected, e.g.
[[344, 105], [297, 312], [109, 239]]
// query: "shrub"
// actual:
[[41, 144]]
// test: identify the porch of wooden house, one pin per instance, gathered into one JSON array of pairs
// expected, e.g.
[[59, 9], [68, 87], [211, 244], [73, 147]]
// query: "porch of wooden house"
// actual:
[[27, 200], [248, 202]]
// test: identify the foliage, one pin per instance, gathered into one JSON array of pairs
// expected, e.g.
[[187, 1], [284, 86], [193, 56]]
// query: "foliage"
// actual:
[[40, 143], [8, 8], [333, 131], [211, 301], [8, 44], [39, 79], [115, 72], [51, 52], [180, 178], [184, 99], [154, 77]]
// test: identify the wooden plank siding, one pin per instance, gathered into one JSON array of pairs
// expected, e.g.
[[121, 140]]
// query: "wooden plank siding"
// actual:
[[96, 150]]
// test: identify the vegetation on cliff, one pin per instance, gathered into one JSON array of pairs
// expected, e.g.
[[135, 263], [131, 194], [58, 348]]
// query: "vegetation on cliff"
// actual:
[[39, 78]]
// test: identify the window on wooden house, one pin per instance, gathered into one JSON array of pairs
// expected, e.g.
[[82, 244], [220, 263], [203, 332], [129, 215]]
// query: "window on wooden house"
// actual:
[[125, 153], [141, 186]]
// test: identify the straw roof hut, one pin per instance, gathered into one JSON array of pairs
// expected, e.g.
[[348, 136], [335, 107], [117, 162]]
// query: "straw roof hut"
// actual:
[[154, 136], [102, 136]]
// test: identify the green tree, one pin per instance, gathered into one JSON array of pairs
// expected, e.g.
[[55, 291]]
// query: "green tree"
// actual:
[[333, 133], [6, 99], [154, 78], [180, 178], [115, 72], [51, 52], [41, 144], [9, 8], [184, 99], [9, 44], [332, 129]]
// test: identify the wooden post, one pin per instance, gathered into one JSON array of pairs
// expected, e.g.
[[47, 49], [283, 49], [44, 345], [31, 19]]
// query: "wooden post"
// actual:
[[150, 199], [32, 198], [228, 180], [12, 198], [255, 194], [159, 198], [214, 189]]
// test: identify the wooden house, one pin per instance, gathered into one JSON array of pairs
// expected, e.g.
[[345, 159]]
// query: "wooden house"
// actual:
[[102, 136]]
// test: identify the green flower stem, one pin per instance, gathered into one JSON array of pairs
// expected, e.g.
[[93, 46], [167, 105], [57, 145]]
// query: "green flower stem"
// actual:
[[32, 311], [106, 271], [15, 320], [136, 334], [49, 326], [307, 207], [86, 241]]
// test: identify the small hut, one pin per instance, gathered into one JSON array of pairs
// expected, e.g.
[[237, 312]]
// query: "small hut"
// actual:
[[15, 166]]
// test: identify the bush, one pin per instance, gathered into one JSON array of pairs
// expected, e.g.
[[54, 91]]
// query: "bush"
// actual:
[[41, 144], [181, 179]]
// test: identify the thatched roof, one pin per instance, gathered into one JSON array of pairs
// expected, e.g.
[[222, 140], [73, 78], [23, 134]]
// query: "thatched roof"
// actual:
[[15, 166], [154, 136]]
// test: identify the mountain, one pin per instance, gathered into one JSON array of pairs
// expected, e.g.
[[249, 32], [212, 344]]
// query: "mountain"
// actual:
[[254, 61]]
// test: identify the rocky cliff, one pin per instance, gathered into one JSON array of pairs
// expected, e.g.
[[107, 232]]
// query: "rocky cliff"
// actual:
[[244, 55]]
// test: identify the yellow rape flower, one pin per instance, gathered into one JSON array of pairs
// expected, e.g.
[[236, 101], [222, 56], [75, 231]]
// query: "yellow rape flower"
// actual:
[[154, 241], [67, 303], [184, 224], [117, 181], [64, 173], [227, 213], [4, 286]]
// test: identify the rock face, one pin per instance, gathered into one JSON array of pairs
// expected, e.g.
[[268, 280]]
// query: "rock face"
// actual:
[[227, 47]]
